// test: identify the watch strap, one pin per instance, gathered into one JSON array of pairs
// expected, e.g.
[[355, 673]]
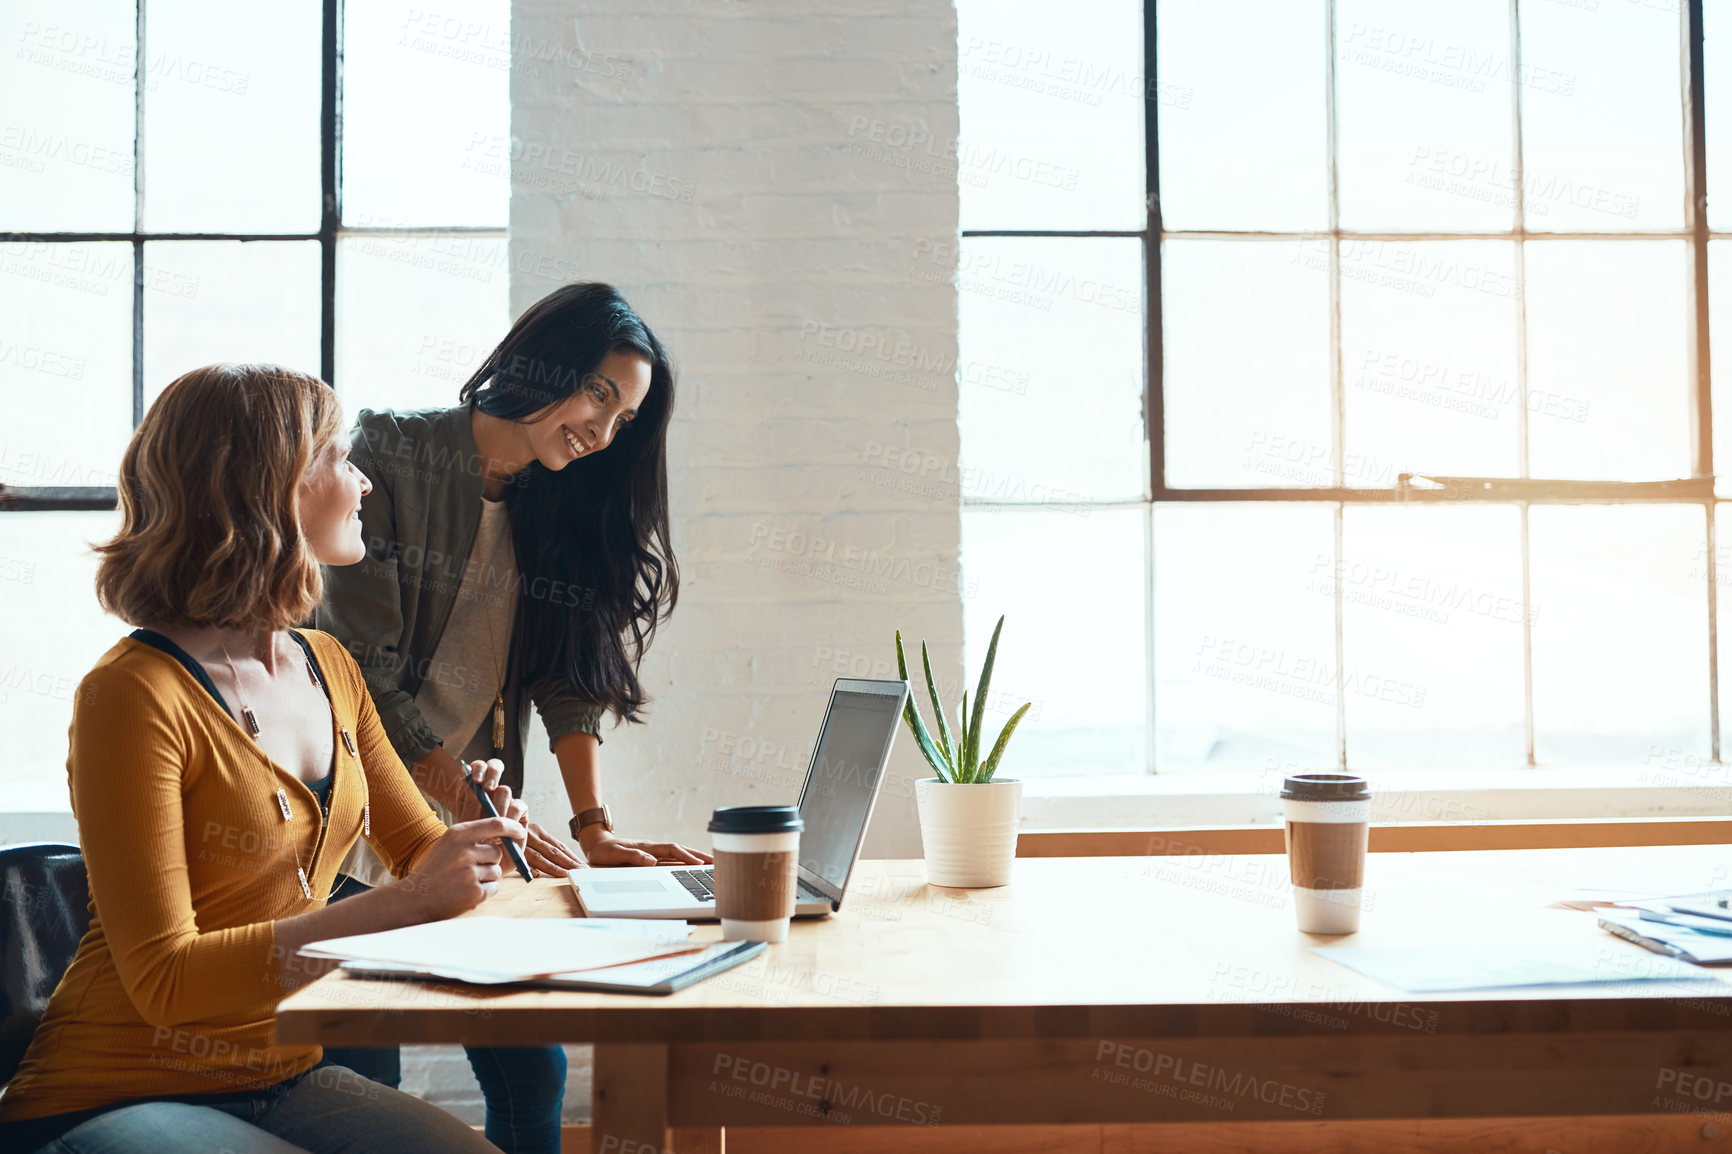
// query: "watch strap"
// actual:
[[597, 816]]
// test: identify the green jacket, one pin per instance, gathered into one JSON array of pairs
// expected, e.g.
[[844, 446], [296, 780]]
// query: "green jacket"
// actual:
[[390, 609]]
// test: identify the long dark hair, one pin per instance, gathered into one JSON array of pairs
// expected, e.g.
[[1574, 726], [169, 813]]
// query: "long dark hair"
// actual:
[[592, 539]]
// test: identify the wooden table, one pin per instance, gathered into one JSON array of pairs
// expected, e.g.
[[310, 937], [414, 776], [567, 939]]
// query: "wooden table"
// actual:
[[1107, 990]]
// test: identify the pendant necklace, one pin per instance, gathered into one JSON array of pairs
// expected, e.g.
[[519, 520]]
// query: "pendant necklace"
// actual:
[[499, 680], [283, 794]]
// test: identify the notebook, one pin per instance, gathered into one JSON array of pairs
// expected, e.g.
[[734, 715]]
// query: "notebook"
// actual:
[[1675, 941], [656, 976]]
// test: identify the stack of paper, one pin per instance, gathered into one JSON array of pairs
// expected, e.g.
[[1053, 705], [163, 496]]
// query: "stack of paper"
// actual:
[[1637, 885], [1432, 968], [493, 950]]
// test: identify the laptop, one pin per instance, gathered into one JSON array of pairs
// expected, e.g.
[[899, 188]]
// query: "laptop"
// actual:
[[836, 803]]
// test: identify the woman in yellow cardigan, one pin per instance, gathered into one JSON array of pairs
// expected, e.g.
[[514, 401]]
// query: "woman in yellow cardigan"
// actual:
[[222, 763]]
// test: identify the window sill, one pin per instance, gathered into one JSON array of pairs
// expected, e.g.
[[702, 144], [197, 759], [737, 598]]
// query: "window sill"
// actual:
[[1410, 795], [1136, 801], [18, 826]]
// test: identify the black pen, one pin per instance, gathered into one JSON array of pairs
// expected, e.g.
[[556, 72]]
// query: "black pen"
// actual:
[[488, 808]]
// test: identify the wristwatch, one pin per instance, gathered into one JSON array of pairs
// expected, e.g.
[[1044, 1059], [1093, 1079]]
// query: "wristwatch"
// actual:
[[600, 815]]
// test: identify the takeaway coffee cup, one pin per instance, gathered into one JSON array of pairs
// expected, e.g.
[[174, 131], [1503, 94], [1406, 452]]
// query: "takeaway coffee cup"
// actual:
[[1328, 820], [757, 850]]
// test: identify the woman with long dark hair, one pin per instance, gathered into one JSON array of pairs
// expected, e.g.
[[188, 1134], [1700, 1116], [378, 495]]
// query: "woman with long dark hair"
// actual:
[[518, 554]]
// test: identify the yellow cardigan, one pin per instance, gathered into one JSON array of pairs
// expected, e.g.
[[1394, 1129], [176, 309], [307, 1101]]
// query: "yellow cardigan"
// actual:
[[174, 988]]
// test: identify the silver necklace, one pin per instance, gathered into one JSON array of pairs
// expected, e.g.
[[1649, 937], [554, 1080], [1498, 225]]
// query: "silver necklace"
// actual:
[[247, 710]]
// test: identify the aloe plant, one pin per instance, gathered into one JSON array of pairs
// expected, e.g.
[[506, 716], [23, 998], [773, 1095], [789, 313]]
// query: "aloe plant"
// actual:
[[956, 758]]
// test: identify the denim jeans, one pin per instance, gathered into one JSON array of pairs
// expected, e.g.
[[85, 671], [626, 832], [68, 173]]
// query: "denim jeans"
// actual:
[[327, 1110], [523, 1086]]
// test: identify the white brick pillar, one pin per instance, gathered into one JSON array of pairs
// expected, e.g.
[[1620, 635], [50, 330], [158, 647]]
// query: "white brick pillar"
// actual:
[[772, 185]]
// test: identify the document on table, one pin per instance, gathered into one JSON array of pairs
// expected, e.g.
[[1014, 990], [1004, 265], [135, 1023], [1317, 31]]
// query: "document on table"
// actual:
[[657, 929], [1679, 941], [491, 950], [1647, 884], [1429, 969]]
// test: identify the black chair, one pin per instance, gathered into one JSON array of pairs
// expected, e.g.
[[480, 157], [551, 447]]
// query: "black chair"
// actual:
[[44, 911]]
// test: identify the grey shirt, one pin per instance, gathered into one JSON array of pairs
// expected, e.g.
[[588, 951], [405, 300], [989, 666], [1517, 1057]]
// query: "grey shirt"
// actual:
[[457, 696], [419, 525]]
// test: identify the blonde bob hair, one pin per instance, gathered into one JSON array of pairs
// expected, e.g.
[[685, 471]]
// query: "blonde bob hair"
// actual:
[[210, 528]]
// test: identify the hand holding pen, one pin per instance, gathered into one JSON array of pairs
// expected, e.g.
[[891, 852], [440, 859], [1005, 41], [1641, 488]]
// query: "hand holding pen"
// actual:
[[547, 855], [485, 800]]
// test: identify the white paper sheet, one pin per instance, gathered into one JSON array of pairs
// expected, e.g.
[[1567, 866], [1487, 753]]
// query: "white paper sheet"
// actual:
[[656, 929], [500, 949], [1421, 969], [1647, 883]]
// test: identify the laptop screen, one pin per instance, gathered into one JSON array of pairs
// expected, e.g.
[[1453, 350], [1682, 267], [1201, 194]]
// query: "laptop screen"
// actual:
[[843, 779]]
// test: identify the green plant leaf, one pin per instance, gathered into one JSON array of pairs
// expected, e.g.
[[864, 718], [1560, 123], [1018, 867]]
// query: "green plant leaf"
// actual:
[[991, 765], [941, 767], [937, 709], [963, 773], [938, 761], [971, 756]]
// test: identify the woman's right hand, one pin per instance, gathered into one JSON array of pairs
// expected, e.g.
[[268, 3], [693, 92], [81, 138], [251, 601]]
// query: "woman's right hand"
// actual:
[[461, 871]]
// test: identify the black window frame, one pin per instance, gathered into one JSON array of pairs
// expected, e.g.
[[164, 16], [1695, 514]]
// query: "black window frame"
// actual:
[[1522, 491], [331, 230]]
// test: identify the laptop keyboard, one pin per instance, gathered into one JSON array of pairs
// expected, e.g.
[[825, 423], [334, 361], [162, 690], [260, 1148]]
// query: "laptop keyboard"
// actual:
[[697, 883], [701, 885]]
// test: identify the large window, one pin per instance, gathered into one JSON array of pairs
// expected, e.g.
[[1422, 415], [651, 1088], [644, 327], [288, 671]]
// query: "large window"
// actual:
[[1335, 380], [306, 183]]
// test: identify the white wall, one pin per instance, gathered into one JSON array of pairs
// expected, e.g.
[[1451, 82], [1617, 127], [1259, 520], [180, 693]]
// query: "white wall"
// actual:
[[766, 183]]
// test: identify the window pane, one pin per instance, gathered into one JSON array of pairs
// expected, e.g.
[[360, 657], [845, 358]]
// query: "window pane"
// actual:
[[1246, 330], [1088, 694], [51, 633], [416, 315], [1238, 155], [1717, 92], [1423, 114], [1620, 636], [1428, 358], [231, 131], [66, 138], [1723, 608], [1602, 116], [225, 300], [1244, 638], [1607, 359], [65, 362], [1431, 601], [1052, 116], [1720, 340], [444, 157], [1051, 381]]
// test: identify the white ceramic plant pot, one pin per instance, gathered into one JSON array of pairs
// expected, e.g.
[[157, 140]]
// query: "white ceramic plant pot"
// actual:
[[969, 831]]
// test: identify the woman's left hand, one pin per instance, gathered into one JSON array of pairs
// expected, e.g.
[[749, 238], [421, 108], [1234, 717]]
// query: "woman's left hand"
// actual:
[[608, 850], [548, 857]]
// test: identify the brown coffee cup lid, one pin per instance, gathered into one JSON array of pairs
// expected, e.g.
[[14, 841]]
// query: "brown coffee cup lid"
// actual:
[[1325, 787]]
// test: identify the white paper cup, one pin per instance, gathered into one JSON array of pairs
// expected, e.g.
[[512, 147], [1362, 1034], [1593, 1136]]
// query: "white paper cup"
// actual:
[[740, 930], [771, 862], [1321, 847], [1327, 911]]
